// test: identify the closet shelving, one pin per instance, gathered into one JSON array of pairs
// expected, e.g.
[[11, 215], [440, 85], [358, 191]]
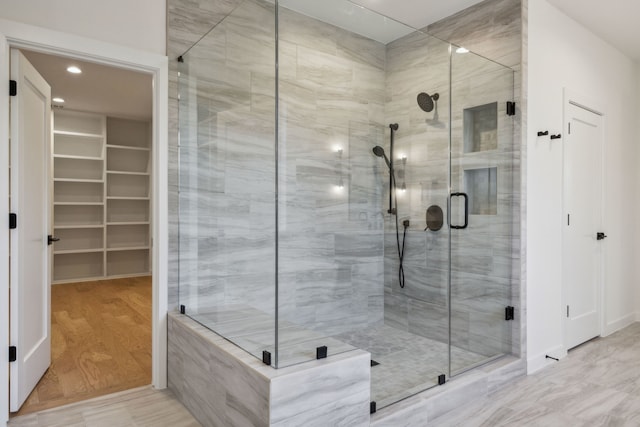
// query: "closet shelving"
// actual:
[[101, 197]]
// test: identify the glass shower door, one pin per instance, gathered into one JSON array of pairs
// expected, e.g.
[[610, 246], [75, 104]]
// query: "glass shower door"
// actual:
[[482, 211]]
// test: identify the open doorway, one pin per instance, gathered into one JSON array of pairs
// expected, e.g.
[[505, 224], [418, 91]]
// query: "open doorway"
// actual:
[[101, 293]]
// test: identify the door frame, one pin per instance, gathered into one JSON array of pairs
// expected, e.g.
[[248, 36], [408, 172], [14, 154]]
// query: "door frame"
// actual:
[[572, 98], [22, 36]]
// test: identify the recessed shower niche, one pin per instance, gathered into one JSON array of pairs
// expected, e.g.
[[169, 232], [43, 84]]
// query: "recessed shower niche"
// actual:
[[481, 185], [481, 128]]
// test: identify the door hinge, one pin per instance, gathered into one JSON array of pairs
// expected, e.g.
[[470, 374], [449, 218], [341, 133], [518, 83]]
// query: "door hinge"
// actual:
[[511, 108], [13, 353], [13, 88], [569, 130], [13, 221], [568, 219], [567, 311], [509, 313]]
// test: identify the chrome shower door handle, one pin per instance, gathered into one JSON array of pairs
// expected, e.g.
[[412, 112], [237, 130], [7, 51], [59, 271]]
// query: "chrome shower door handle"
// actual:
[[466, 210]]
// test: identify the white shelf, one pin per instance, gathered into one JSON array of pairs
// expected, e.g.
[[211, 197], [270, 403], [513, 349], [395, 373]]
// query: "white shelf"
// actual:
[[74, 240], [129, 262], [71, 215], [79, 123], [127, 198], [127, 160], [78, 251], [127, 210], [132, 248], [78, 204], [78, 191], [78, 168], [74, 227], [128, 186], [101, 181], [78, 145], [130, 133], [68, 156], [128, 236], [102, 197], [127, 173], [127, 147], [72, 266], [80, 134]]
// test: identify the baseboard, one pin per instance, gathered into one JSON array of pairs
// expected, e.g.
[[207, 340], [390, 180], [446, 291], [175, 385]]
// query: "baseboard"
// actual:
[[620, 323], [540, 361]]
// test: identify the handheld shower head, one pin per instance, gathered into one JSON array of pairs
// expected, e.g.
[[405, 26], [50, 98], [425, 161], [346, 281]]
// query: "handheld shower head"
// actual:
[[379, 151], [426, 101]]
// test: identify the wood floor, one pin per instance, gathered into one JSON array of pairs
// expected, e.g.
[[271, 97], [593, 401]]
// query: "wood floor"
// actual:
[[100, 342]]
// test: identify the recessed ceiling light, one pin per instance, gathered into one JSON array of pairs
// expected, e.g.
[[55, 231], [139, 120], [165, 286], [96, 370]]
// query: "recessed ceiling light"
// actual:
[[462, 50], [58, 99], [74, 70]]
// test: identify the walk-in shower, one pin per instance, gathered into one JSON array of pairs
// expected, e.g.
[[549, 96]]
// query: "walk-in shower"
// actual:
[[297, 196]]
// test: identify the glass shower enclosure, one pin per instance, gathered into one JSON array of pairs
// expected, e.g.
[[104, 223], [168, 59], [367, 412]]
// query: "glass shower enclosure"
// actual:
[[347, 182]]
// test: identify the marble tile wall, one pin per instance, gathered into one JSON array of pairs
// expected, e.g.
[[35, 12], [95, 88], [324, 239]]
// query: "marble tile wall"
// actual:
[[187, 22], [485, 256], [227, 164], [331, 104]]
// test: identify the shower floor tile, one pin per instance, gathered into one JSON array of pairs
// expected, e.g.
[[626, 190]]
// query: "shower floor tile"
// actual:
[[407, 363]]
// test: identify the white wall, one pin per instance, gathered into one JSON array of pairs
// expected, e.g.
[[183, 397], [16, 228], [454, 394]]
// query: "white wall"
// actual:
[[562, 54], [140, 24]]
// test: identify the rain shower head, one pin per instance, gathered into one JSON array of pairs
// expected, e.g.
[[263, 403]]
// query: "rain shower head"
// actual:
[[425, 101], [379, 151]]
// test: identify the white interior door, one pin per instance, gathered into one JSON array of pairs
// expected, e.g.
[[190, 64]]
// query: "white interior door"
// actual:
[[30, 320], [582, 255]]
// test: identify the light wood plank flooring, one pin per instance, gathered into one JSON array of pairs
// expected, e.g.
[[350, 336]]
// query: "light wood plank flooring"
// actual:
[[100, 342], [139, 407]]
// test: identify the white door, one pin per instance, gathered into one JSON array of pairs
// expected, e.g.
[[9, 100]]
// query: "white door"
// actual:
[[582, 254], [30, 269]]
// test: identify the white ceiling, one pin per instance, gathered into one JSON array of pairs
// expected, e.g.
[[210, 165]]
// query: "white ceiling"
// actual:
[[99, 89], [615, 21], [354, 18], [417, 13]]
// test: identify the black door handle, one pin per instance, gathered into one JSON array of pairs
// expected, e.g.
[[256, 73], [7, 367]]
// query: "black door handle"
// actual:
[[466, 210], [51, 239], [600, 235]]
